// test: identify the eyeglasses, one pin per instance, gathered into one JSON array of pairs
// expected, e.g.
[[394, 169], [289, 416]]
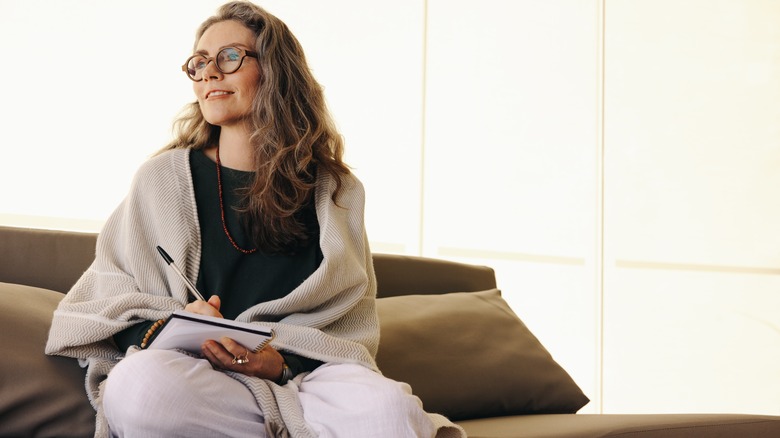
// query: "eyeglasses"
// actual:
[[227, 61]]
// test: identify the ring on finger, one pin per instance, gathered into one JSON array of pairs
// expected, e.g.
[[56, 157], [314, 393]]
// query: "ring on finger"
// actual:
[[241, 359]]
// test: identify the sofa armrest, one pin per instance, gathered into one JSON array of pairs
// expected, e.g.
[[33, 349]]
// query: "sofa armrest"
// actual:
[[47, 259], [409, 275]]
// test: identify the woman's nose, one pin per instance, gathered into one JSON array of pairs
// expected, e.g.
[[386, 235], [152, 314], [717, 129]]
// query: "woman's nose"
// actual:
[[210, 71]]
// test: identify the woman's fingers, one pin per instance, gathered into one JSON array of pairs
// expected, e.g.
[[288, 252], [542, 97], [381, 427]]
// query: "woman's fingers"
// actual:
[[205, 307], [230, 355], [215, 301]]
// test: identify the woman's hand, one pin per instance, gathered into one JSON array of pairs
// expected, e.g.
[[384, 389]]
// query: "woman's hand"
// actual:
[[208, 308], [230, 355]]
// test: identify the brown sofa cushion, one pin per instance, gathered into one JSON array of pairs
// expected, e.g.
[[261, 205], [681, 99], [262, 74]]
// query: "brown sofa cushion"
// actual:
[[467, 355], [40, 396]]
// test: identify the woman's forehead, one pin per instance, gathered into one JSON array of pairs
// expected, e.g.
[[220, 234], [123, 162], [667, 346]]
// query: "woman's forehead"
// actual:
[[224, 34]]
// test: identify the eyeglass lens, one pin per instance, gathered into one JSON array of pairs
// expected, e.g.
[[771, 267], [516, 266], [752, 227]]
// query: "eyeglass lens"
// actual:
[[228, 60]]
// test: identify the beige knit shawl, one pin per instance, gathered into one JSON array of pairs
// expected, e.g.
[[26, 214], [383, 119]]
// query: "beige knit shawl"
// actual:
[[331, 316]]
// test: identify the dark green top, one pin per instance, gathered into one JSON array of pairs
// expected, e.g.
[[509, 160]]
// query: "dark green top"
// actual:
[[240, 280]]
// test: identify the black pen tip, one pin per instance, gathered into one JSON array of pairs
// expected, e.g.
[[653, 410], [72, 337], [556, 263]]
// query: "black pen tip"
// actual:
[[164, 255]]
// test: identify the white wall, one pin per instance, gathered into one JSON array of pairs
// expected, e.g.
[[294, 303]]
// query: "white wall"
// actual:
[[615, 161], [692, 172]]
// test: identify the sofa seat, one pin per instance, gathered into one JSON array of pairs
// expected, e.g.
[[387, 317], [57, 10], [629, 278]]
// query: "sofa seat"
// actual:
[[633, 425]]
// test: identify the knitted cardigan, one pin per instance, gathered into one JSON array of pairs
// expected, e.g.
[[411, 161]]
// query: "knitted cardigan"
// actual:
[[330, 317]]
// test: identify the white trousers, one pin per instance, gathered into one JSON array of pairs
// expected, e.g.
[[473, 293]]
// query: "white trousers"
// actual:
[[162, 393]]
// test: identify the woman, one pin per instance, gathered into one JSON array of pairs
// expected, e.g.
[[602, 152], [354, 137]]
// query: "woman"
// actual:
[[253, 201]]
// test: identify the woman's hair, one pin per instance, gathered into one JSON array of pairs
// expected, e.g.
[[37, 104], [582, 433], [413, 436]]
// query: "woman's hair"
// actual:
[[293, 134]]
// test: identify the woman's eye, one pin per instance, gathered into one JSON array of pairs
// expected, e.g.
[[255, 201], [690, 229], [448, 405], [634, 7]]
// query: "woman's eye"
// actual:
[[197, 64], [230, 55]]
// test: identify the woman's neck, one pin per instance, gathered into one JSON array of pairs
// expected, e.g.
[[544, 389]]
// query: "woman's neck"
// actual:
[[235, 150]]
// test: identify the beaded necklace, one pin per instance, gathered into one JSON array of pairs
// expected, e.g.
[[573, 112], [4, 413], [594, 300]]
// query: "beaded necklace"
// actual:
[[222, 210]]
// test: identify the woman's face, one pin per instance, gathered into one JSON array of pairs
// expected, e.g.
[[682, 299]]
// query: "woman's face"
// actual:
[[226, 99]]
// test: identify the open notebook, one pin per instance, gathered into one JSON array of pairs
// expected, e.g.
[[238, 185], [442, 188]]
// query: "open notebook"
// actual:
[[188, 331]]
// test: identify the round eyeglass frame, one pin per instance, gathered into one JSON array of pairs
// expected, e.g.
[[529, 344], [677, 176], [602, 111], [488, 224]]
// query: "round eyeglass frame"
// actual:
[[242, 52]]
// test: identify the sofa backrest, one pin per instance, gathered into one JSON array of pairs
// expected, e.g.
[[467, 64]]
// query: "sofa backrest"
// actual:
[[54, 260], [47, 259], [408, 275]]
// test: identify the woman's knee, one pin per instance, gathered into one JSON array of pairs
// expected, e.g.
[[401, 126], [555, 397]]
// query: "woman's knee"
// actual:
[[355, 389], [136, 382], [397, 399]]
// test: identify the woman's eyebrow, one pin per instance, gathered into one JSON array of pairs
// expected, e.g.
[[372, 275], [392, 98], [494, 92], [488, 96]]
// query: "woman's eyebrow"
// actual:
[[206, 52]]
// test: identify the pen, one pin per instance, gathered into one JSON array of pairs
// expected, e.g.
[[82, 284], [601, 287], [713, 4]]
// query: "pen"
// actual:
[[191, 287]]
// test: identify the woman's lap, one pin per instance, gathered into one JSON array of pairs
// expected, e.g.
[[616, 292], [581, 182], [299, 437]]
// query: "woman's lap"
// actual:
[[167, 393], [160, 392]]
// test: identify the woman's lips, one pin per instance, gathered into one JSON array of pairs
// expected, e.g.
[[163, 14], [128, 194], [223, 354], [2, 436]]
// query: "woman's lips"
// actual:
[[217, 93]]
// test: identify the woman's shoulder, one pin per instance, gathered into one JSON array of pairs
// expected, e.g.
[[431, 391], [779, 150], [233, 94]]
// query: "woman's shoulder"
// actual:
[[164, 159], [350, 183], [163, 162], [161, 169]]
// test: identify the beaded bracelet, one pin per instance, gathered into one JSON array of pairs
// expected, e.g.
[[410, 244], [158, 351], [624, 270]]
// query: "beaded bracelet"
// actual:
[[151, 330]]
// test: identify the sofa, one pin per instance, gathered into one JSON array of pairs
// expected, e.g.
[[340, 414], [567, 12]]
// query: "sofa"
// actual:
[[472, 358]]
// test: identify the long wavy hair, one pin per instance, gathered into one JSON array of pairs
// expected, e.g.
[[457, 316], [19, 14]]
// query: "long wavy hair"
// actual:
[[293, 135]]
